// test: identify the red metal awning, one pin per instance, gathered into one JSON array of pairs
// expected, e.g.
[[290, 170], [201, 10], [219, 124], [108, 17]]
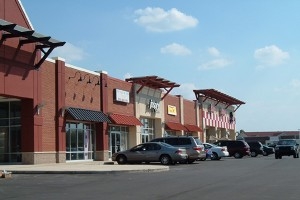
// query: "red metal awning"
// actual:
[[175, 126], [124, 120], [217, 96], [154, 82], [192, 128]]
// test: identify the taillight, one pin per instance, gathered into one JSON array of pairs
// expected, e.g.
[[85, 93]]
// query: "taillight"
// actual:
[[197, 148], [178, 152], [223, 149]]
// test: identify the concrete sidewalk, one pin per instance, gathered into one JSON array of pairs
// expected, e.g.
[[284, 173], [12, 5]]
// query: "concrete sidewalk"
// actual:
[[93, 167]]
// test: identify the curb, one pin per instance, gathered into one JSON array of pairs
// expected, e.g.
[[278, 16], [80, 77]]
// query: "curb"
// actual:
[[90, 172]]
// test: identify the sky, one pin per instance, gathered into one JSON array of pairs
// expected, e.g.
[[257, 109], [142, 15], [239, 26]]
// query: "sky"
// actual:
[[248, 49]]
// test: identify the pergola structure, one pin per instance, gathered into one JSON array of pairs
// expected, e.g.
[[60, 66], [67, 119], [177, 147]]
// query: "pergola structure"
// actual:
[[153, 82], [217, 96], [44, 43]]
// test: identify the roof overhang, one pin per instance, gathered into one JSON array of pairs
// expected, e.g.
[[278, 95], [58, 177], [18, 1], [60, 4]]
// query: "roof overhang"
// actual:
[[86, 115], [153, 82], [44, 43], [217, 96], [175, 126], [124, 120]]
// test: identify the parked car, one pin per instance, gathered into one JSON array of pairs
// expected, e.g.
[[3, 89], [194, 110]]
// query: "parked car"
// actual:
[[287, 147], [268, 150], [193, 146], [236, 148], [151, 152], [215, 152], [256, 148]]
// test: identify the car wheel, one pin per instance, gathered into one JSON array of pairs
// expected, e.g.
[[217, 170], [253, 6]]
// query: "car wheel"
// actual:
[[121, 159], [253, 154], [276, 157], [296, 155], [237, 155], [280, 157], [165, 160], [265, 153], [214, 156]]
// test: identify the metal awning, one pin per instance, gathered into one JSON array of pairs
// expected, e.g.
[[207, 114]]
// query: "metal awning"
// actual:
[[175, 126], [44, 43], [154, 82], [217, 96], [192, 128], [124, 120], [87, 115]]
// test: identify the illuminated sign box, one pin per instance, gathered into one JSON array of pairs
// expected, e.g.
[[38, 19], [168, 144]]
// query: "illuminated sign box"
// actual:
[[172, 110], [121, 96]]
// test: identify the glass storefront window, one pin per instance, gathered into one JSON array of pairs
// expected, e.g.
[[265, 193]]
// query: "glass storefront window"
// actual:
[[79, 141], [10, 131], [147, 130]]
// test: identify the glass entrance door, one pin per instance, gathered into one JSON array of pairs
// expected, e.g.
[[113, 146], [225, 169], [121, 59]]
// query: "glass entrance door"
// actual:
[[115, 142]]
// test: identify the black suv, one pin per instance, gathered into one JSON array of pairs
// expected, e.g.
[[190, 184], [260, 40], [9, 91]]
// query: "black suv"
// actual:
[[287, 147], [256, 148], [236, 148], [193, 145]]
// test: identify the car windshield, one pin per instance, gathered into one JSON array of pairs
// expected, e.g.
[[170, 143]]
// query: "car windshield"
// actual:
[[198, 141], [286, 142]]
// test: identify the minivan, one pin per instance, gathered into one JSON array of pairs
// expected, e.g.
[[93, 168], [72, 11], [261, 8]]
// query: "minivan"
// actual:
[[236, 148], [193, 145]]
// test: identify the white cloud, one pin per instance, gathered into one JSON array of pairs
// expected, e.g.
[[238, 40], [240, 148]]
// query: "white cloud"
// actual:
[[270, 56], [186, 90], [213, 51], [214, 64], [217, 61], [159, 20], [175, 49], [127, 75], [295, 83], [69, 52]]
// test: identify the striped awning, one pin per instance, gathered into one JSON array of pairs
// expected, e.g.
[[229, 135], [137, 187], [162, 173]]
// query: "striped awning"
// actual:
[[87, 115]]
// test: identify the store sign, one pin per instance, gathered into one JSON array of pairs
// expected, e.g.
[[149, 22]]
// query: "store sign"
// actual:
[[121, 96], [172, 110], [153, 106]]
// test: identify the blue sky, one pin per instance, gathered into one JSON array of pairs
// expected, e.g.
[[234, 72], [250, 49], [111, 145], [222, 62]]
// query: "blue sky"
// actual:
[[247, 49]]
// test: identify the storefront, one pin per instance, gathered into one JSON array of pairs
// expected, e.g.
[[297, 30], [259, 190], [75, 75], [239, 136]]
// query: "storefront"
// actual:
[[217, 114], [54, 112]]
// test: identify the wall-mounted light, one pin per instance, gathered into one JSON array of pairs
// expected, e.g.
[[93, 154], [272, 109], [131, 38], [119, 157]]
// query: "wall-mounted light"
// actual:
[[80, 79], [98, 82], [39, 107]]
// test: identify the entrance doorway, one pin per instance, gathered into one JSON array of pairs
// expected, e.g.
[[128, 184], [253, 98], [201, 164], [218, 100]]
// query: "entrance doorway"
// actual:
[[10, 130], [117, 139], [115, 142], [79, 141]]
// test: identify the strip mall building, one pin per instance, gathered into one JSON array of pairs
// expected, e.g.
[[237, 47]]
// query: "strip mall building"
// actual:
[[54, 112]]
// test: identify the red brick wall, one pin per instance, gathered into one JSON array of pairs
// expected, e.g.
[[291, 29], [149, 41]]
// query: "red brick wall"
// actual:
[[116, 107], [48, 112], [189, 112], [173, 101], [80, 94]]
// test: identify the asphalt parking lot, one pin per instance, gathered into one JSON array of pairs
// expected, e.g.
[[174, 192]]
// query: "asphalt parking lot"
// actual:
[[246, 178]]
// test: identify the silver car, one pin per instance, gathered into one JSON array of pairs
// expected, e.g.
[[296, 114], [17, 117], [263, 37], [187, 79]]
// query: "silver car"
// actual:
[[151, 152]]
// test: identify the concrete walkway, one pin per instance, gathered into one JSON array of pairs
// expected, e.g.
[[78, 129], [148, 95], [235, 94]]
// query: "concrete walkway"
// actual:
[[93, 167]]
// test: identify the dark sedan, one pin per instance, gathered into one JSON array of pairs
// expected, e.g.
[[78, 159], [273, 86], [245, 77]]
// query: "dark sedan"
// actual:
[[151, 152]]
